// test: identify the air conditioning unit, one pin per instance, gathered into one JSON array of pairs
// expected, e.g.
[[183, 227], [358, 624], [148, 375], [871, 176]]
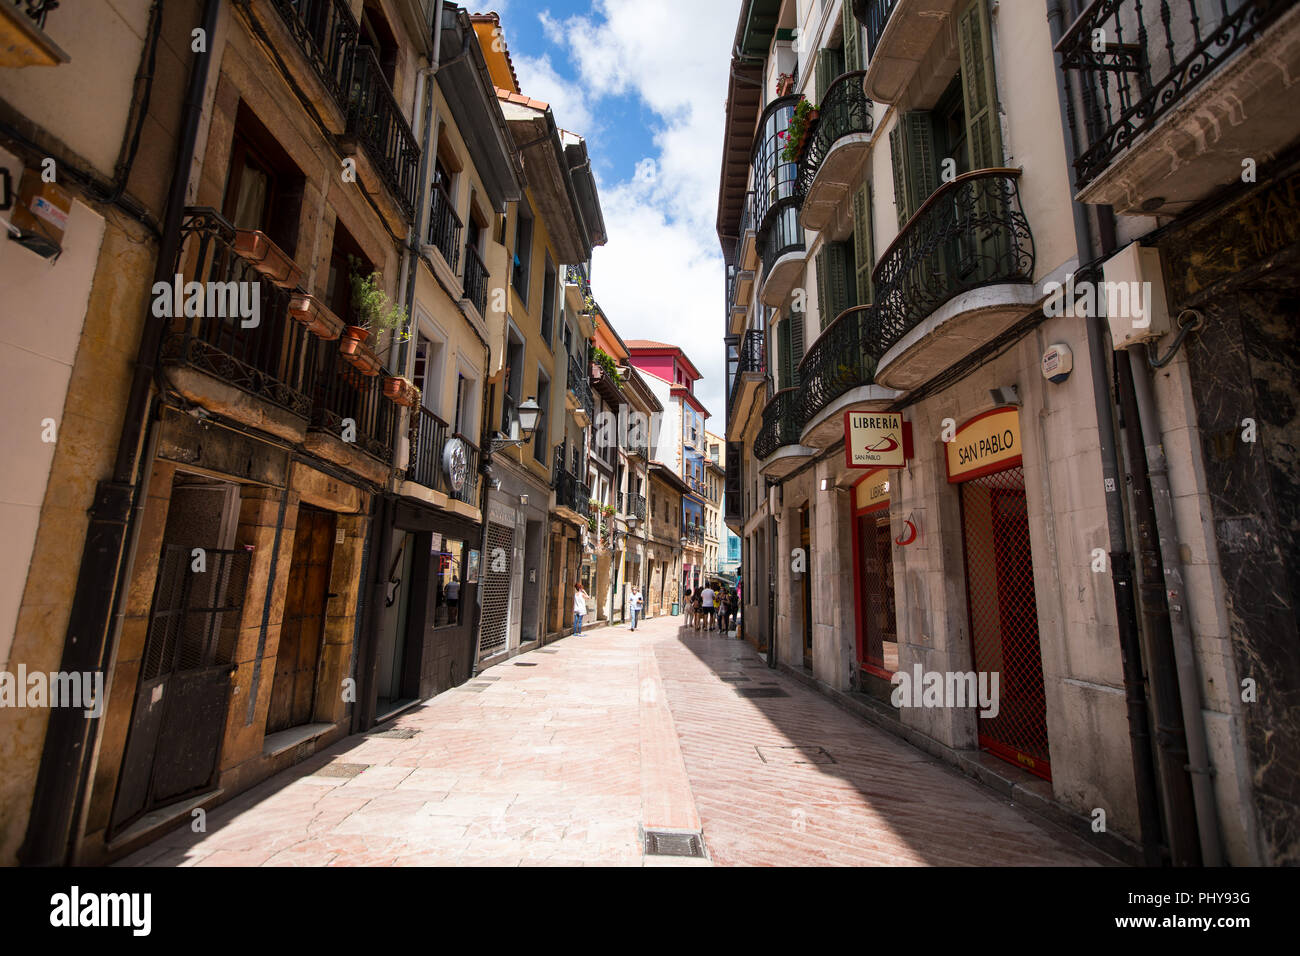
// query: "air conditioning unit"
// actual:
[[1133, 296]]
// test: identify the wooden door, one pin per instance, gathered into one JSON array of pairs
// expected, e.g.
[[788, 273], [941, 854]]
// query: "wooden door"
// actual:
[[293, 694]]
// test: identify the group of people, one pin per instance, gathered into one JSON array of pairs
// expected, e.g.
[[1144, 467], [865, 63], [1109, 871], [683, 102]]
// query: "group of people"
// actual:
[[711, 607]]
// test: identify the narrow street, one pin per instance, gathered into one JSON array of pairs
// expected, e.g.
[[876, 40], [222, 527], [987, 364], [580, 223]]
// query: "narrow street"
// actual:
[[561, 755]]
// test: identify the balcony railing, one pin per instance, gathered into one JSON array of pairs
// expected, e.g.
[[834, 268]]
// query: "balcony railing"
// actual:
[[579, 384], [784, 234], [469, 490], [843, 357], [844, 110], [732, 488], [747, 215], [775, 178], [1151, 56], [445, 227], [749, 358], [351, 406], [636, 506], [428, 438], [375, 119], [873, 15], [578, 276], [476, 280], [781, 424], [326, 32], [971, 232], [695, 537], [572, 494], [274, 359]]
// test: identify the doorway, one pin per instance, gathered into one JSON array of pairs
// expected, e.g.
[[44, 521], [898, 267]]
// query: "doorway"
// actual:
[[392, 691], [805, 588], [302, 629], [1003, 615], [873, 561]]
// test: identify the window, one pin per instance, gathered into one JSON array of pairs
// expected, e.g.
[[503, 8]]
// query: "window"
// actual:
[[264, 187], [448, 571], [376, 35], [345, 258], [514, 381], [523, 252], [544, 400], [548, 301]]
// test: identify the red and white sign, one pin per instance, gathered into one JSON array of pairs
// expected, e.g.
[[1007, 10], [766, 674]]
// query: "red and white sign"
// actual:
[[876, 440]]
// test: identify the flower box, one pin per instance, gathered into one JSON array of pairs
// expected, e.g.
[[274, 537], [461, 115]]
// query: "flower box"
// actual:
[[257, 249], [362, 358], [311, 312], [354, 338], [401, 391]]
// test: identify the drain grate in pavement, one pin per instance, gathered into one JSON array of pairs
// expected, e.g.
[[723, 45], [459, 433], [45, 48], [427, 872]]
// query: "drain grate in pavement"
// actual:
[[341, 769], [525, 663], [396, 733], [735, 680], [794, 754], [673, 843], [761, 692]]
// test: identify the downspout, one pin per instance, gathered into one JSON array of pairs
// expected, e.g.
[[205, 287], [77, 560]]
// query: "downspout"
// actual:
[[1121, 559], [101, 581]]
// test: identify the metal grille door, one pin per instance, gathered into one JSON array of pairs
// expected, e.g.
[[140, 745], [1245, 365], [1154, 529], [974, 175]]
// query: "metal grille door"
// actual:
[[495, 627], [1003, 616]]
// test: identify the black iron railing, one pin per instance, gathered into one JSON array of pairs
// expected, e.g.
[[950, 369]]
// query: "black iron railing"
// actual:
[[376, 120], [476, 280], [971, 232], [428, 438], [781, 424], [36, 9], [695, 536], [843, 357], [469, 490], [326, 32], [732, 496], [747, 216], [265, 354], [749, 358], [636, 506], [783, 234], [577, 275], [1138, 59], [444, 226], [579, 383], [844, 110], [572, 494], [775, 178], [873, 15], [351, 407]]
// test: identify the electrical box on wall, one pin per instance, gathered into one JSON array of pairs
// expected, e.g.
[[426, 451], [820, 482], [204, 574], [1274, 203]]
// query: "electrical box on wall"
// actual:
[[40, 214], [1132, 296]]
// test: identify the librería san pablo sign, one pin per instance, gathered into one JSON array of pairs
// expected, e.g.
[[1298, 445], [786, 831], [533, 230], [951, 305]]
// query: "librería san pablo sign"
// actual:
[[876, 440], [985, 444]]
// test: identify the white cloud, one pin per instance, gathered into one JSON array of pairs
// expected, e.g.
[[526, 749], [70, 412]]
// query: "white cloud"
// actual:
[[661, 274]]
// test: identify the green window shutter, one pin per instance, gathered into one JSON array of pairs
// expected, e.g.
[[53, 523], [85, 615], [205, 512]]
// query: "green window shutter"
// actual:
[[853, 56], [922, 169], [838, 272], [864, 254], [979, 86], [784, 369], [898, 157], [824, 304], [830, 64], [796, 346]]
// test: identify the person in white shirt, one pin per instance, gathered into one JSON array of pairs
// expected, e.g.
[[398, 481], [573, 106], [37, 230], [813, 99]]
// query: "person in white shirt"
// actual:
[[706, 603], [579, 608], [634, 604]]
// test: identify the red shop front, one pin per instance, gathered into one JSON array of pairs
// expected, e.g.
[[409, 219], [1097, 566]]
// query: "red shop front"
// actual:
[[873, 575]]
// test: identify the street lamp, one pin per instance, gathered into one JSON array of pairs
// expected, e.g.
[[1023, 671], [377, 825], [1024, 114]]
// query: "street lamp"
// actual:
[[528, 412]]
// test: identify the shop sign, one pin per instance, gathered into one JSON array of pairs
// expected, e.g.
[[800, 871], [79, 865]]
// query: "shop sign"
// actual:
[[872, 491], [985, 444], [875, 440]]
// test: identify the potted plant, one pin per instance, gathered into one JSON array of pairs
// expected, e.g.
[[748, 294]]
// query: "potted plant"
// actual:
[[602, 363], [795, 135], [373, 310], [257, 249], [312, 313], [785, 84], [402, 391]]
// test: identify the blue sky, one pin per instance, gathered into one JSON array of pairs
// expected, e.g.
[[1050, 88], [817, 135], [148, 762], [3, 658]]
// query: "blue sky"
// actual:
[[644, 81]]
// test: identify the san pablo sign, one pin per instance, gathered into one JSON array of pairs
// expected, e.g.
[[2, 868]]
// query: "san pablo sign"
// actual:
[[875, 440]]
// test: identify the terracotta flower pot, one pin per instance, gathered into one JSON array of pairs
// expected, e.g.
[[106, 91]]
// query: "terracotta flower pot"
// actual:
[[257, 249], [393, 387], [312, 313], [362, 359], [354, 337]]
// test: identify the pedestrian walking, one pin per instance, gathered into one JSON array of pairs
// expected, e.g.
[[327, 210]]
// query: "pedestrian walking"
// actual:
[[688, 607], [579, 608], [707, 601], [634, 604]]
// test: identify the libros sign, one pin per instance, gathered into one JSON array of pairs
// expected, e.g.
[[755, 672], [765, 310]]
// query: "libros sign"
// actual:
[[985, 444]]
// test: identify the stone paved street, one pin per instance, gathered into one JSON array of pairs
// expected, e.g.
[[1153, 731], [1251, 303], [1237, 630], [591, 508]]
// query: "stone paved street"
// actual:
[[561, 755]]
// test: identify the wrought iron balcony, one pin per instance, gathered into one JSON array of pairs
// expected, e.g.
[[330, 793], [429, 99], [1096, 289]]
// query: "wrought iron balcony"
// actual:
[[732, 494], [469, 490], [825, 171], [783, 248], [873, 15], [476, 280], [428, 438], [572, 494], [445, 227], [375, 119], [694, 537], [971, 232], [579, 383], [748, 359], [275, 359], [636, 506], [1153, 55], [344, 395], [781, 423], [326, 32], [843, 358]]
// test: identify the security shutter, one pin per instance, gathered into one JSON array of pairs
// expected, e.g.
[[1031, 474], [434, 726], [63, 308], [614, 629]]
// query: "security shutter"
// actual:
[[979, 86], [853, 56], [864, 255], [495, 621]]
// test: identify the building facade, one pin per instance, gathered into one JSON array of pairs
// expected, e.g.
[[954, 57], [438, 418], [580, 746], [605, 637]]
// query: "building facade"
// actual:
[[905, 269]]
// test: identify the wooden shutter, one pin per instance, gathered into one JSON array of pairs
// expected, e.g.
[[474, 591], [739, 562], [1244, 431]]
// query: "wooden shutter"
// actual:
[[839, 283], [979, 86], [916, 175], [796, 346], [784, 368], [824, 304], [864, 254], [898, 159], [830, 64], [853, 56]]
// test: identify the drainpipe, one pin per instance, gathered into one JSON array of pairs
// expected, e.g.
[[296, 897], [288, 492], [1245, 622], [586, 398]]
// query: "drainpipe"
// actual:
[[61, 781], [1121, 559], [1188, 682]]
